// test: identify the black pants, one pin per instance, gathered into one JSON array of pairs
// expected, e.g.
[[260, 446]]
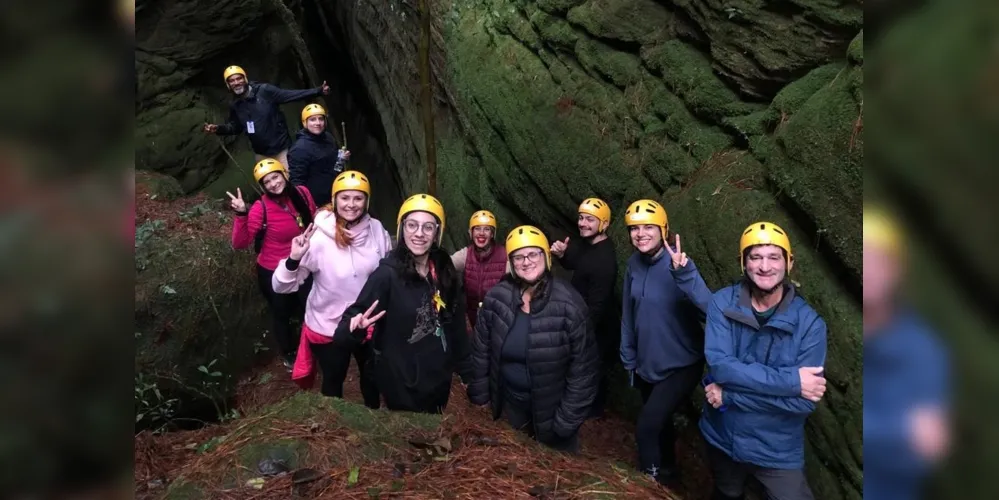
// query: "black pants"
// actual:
[[520, 418], [730, 479], [333, 362], [284, 308], [655, 433], [609, 359]]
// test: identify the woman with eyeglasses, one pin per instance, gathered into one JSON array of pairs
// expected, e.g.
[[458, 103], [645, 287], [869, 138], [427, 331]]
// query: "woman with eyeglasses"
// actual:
[[414, 302], [534, 354]]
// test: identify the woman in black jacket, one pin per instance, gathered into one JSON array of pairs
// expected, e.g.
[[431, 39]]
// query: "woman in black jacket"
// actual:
[[414, 303], [534, 353]]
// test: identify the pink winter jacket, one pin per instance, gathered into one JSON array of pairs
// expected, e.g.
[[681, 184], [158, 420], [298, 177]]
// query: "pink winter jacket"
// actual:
[[338, 273]]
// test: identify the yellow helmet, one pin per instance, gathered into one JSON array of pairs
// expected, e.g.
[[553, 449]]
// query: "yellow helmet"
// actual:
[[482, 218], [597, 208], [883, 231], [352, 180], [421, 203], [312, 110], [528, 236], [764, 233], [266, 166], [647, 212], [232, 70]]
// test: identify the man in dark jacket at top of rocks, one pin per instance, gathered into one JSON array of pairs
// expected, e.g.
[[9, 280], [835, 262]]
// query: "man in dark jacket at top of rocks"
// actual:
[[314, 160], [255, 111], [533, 352], [594, 266]]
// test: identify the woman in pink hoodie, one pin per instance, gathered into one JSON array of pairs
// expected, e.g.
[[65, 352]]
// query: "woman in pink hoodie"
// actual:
[[339, 251], [281, 214]]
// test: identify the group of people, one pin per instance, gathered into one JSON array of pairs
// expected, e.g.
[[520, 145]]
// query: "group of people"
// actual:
[[525, 343]]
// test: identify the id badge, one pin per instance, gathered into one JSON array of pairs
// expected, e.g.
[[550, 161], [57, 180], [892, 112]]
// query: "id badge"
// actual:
[[249, 128]]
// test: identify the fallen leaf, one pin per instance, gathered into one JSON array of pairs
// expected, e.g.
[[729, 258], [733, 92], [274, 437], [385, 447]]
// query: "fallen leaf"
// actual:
[[443, 443], [256, 483], [717, 190], [355, 471]]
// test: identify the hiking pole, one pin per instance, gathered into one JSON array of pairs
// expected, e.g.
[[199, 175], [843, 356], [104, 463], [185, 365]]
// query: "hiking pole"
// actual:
[[252, 184]]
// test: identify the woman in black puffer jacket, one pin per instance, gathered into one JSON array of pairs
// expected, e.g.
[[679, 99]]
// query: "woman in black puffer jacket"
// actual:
[[534, 353]]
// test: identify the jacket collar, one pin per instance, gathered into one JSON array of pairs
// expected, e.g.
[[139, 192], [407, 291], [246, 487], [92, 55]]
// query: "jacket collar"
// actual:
[[537, 303], [742, 310]]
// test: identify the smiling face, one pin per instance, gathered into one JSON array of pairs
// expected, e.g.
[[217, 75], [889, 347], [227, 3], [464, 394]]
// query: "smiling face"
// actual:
[[528, 263], [315, 124], [350, 204], [274, 183], [766, 267], [589, 226], [419, 229], [482, 236], [237, 84], [646, 238]]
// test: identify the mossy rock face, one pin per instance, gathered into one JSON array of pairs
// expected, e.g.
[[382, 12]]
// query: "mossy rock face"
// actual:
[[196, 305], [158, 186]]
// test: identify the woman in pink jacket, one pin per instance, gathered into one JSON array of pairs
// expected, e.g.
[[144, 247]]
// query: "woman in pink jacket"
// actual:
[[339, 251], [281, 214]]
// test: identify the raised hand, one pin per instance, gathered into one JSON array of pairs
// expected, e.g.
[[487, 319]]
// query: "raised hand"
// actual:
[[236, 202], [679, 256], [365, 319], [558, 248], [326, 88], [300, 244]]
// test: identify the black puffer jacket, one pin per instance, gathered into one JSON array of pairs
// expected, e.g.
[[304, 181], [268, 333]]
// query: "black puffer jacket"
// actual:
[[561, 355]]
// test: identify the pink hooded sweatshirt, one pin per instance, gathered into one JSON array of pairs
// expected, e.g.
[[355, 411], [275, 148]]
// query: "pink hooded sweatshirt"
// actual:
[[338, 276]]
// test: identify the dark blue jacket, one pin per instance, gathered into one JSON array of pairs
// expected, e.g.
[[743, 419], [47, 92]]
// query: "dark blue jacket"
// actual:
[[260, 106], [905, 367], [660, 316], [757, 369], [312, 163]]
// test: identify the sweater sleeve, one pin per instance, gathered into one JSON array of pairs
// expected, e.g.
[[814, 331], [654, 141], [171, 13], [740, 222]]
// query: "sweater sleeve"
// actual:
[[458, 258], [245, 227], [690, 282], [289, 274], [629, 356]]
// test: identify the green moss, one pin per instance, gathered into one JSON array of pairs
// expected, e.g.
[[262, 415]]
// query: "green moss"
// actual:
[[181, 489], [688, 73], [856, 50], [558, 6], [554, 30], [621, 68], [160, 187], [642, 21], [817, 161], [796, 94]]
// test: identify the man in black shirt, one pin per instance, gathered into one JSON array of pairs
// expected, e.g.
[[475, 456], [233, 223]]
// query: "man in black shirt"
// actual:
[[255, 111], [594, 265]]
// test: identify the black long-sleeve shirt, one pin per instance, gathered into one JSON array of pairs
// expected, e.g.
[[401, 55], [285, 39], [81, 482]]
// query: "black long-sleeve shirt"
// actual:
[[594, 271], [259, 116]]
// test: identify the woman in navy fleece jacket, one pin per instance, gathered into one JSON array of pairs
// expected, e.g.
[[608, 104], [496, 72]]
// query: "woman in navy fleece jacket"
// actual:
[[662, 342]]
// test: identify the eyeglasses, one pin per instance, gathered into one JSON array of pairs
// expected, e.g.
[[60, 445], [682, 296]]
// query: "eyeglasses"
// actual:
[[533, 257], [411, 226]]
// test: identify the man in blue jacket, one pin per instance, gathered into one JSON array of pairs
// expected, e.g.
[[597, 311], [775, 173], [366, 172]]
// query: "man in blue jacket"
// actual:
[[906, 374], [765, 348], [255, 111], [315, 160]]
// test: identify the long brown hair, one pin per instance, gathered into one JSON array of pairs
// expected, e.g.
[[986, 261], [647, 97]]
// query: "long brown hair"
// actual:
[[343, 240]]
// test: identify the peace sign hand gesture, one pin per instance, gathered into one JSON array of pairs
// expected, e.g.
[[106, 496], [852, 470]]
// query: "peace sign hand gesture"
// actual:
[[364, 320], [679, 256], [236, 202], [300, 244]]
